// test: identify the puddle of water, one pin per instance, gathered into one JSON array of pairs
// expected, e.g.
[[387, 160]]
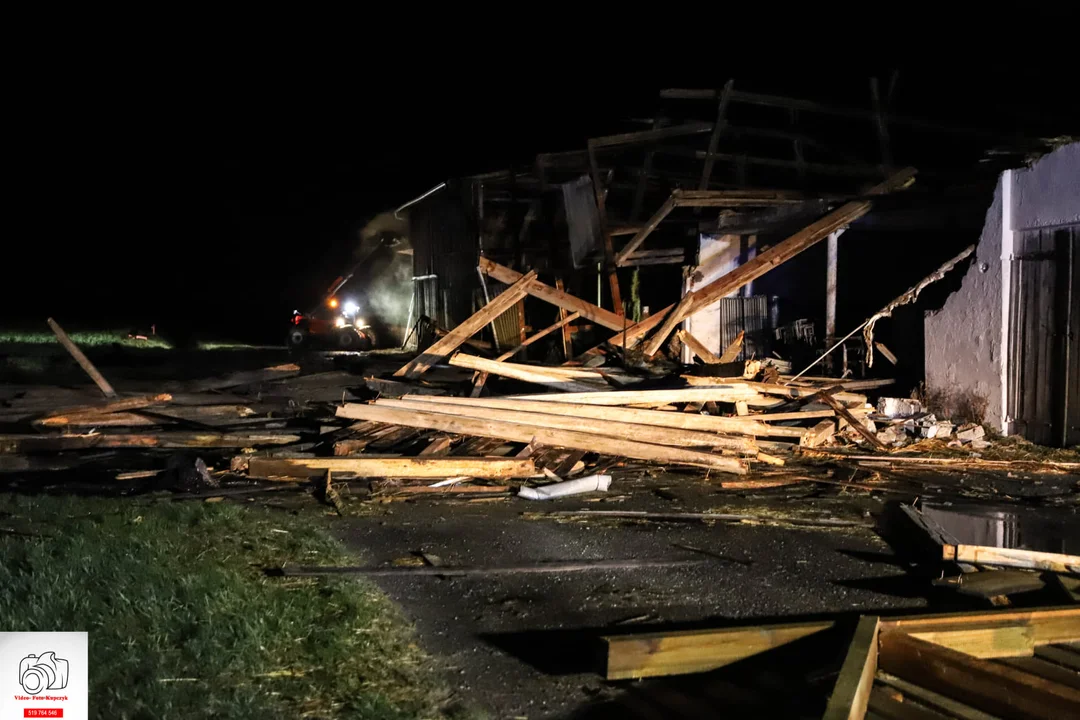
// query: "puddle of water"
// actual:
[[1044, 530]]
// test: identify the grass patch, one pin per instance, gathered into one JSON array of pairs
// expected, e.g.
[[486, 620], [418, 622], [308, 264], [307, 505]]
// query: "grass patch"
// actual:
[[183, 623], [84, 339]]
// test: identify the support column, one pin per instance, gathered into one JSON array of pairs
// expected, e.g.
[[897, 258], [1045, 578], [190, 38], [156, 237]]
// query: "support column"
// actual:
[[1007, 250], [830, 293]]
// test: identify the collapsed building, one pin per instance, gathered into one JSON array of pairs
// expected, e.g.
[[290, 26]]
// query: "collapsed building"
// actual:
[[678, 214]]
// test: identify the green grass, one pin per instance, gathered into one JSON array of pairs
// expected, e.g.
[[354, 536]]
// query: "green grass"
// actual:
[[183, 623], [83, 339]]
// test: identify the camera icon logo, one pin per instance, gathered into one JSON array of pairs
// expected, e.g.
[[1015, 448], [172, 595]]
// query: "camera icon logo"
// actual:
[[38, 673]]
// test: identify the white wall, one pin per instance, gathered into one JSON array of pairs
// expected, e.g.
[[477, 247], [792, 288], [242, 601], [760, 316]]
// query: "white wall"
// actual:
[[718, 255], [964, 339]]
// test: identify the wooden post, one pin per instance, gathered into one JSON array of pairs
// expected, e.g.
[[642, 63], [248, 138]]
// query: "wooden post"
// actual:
[[609, 249], [830, 293], [714, 138], [84, 362], [567, 333]]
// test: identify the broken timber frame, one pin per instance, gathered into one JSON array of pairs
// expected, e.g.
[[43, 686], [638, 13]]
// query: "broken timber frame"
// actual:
[[526, 433], [446, 345], [767, 260]]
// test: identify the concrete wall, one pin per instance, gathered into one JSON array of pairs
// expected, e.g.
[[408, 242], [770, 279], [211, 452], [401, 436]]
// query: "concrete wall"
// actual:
[[964, 338], [1048, 194]]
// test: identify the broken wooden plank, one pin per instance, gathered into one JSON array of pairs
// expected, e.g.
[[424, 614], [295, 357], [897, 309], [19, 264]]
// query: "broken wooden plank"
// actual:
[[84, 362], [439, 445], [122, 405], [786, 391], [707, 423], [398, 467], [696, 347], [778, 254], [636, 241], [706, 517], [144, 417], [936, 701], [996, 688], [853, 421], [655, 257], [851, 693], [537, 335], [559, 298], [821, 433], [715, 393], [611, 428], [520, 432], [473, 324], [1012, 557], [731, 352], [674, 318], [526, 373], [12, 444], [995, 633], [644, 655]]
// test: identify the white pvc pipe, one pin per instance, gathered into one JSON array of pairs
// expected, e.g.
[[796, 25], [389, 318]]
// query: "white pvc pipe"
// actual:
[[415, 200], [593, 483]]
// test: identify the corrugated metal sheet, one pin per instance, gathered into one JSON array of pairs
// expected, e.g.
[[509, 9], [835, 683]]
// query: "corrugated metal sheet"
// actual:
[[1044, 338], [582, 220], [445, 243], [749, 314]]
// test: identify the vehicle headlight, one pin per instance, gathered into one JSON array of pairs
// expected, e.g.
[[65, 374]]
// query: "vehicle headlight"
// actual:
[[340, 322], [350, 308]]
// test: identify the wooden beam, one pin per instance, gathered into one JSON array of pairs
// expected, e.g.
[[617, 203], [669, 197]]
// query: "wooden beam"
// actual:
[[559, 298], [686, 421], [525, 373], [994, 634], [791, 392], [649, 136], [697, 348], [944, 705], [395, 467], [717, 393], [673, 319], [122, 405], [853, 421], [731, 352], [84, 362], [1012, 557], [996, 688], [636, 241], [714, 138], [677, 653], [819, 434], [446, 345], [11, 444], [537, 335], [611, 428], [654, 257], [522, 432], [567, 333], [852, 690], [767, 260]]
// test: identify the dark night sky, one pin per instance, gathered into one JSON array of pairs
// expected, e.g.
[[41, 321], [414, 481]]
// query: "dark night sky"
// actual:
[[222, 200]]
